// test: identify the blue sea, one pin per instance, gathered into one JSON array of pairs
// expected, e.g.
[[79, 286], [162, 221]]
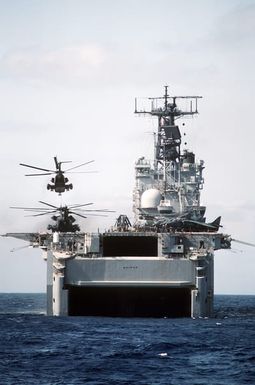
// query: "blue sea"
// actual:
[[36, 349]]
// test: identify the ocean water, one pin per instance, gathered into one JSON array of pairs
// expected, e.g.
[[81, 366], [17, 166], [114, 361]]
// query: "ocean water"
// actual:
[[36, 349]]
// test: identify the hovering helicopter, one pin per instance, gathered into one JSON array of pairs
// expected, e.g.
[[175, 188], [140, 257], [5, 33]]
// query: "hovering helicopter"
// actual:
[[64, 222], [59, 183]]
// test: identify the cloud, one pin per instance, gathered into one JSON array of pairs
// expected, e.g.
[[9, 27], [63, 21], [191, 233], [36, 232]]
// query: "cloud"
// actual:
[[94, 64], [212, 56], [226, 44], [238, 26], [234, 31], [89, 64], [67, 62]]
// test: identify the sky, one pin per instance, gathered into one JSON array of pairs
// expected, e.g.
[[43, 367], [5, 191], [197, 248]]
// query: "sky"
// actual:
[[69, 73]]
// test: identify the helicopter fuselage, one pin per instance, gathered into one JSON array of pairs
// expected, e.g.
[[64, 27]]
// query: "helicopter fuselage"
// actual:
[[64, 223], [59, 184]]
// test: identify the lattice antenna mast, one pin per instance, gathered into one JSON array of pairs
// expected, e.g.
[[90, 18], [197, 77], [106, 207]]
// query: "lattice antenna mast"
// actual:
[[168, 140], [169, 137]]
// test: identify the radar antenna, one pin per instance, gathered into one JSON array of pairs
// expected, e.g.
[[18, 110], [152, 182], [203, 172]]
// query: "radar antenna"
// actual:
[[175, 173], [169, 136]]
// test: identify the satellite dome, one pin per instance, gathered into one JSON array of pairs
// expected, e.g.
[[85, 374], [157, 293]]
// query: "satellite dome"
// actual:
[[150, 198]]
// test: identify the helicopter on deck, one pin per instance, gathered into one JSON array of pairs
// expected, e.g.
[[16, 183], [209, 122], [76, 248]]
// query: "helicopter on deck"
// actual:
[[59, 183], [63, 220]]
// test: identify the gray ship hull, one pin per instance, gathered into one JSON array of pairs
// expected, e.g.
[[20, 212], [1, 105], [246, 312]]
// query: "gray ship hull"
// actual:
[[177, 282], [162, 265]]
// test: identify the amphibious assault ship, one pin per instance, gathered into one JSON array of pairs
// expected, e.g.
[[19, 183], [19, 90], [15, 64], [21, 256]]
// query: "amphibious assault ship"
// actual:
[[162, 265]]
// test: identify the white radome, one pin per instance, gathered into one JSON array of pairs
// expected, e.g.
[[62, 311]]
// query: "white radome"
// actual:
[[150, 198]]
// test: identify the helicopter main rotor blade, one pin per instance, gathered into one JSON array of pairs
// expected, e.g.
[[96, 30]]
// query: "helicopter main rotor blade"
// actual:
[[79, 215], [30, 208], [99, 211], [46, 173], [83, 164], [242, 242], [96, 215], [38, 215], [80, 172], [76, 206], [88, 213], [45, 203], [39, 210], [37, 168]]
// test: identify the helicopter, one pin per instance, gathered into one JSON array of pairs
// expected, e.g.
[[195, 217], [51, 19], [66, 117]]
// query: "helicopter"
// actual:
[[59, 183], [64, 222]]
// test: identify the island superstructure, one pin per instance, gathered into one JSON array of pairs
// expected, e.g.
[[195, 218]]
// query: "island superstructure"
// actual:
[[170, 187], [162, 265]]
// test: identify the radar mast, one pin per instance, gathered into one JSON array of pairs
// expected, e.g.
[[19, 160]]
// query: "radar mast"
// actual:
[[175, 174]]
